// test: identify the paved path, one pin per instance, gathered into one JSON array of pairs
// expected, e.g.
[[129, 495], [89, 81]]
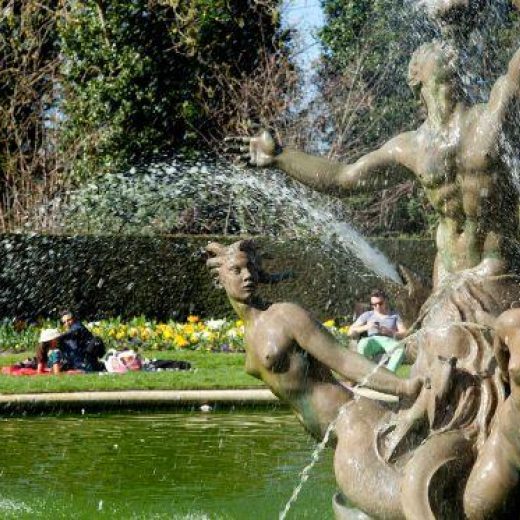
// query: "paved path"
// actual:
[[173, 398]]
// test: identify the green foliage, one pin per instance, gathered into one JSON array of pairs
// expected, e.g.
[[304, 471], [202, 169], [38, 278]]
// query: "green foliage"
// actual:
[[89, 87], [365, 41], [140, 77], [394, 212]]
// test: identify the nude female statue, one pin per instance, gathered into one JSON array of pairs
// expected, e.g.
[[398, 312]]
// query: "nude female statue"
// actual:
[[403, 463], [289, 350], [455, 154], [295, 356]]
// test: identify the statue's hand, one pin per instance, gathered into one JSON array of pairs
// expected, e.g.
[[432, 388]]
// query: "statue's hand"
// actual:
[[260, 150], [412, 387], [413, 294]]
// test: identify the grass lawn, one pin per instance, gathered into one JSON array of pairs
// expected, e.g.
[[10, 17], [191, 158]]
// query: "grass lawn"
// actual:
[[209, 371]]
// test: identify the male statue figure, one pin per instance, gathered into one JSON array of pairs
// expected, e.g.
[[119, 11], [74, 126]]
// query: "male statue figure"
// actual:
[[455, 154]]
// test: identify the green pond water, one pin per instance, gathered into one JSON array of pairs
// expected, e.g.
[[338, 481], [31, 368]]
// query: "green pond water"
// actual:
[[186, 465]]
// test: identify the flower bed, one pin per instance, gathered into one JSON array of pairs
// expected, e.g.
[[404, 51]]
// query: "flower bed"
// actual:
[[216, 335]]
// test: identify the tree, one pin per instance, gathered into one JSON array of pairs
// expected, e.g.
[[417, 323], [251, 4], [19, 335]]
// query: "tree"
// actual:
[[365, 46], [143, 77], [29, 168], [92, 86]]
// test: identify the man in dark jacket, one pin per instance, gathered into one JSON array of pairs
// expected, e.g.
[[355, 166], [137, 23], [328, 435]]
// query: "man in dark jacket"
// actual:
[[80, 347]]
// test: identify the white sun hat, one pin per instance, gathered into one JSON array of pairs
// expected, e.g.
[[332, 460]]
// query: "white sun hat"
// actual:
[[49, 335]]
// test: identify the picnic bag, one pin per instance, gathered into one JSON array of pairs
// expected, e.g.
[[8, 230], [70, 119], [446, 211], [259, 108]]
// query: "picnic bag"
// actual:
[[122, 361]]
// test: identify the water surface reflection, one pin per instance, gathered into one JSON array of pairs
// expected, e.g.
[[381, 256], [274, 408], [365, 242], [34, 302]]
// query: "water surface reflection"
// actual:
[[175, 465]]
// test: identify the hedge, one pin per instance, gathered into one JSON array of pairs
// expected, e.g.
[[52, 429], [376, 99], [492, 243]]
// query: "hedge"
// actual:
[[163, 278]]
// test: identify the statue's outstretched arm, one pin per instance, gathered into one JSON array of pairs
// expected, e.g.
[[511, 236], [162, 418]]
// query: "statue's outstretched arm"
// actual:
[[368, 173], [505, 90], [320, 343]]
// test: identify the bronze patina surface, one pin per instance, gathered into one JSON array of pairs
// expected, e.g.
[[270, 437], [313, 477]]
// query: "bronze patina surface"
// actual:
[[406, 460], [450, 447]]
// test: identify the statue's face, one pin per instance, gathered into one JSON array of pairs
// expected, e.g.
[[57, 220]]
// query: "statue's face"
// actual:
[[441, 7], [239, 276], [431, 69], [461, 13]]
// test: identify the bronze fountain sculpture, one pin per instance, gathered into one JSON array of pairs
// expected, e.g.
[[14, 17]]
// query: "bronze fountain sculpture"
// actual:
[[450, 448]]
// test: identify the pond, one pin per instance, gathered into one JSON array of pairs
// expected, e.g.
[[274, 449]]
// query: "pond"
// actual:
[[186, 465]]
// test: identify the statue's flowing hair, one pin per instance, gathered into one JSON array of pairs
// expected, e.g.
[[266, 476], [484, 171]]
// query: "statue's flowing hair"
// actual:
[[219, 254]]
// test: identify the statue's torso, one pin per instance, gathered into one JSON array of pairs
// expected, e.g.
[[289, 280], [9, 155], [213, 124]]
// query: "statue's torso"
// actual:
[[469, 187], [273, 355]]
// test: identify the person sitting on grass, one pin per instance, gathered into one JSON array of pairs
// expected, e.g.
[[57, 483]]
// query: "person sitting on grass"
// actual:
[[48, 353], [291, 351], [81, 348], [384, 330]]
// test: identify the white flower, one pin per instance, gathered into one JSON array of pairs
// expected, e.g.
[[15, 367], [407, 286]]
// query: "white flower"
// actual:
[[215, 324]]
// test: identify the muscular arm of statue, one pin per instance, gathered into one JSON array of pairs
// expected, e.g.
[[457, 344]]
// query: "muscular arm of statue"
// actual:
[[370, 172], [505, 91], [323, 346]]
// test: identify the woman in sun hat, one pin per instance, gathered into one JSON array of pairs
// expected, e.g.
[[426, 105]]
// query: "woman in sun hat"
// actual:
[[48, 353]]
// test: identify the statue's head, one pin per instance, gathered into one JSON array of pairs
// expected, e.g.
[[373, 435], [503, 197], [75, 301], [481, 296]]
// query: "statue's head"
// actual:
[[460, 13], [432, 66], [237, 268]]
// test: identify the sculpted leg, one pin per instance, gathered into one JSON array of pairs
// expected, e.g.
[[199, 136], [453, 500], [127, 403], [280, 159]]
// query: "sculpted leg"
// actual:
[[431, 478], [494, 476], [493, 484], [367, 481]]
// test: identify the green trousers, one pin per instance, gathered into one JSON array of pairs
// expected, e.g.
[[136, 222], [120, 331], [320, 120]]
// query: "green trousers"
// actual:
[[373, 345]]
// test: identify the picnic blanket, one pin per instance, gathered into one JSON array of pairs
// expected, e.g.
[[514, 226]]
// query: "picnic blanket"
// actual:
[[16, 370], [28, 367]]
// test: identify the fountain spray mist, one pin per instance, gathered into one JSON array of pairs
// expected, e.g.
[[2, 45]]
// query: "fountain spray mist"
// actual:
[[216, 197]]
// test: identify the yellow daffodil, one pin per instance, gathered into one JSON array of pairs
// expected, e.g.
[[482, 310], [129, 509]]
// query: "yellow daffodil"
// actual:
[[168, 333], [188, 329], [180, 341], [145, 333], [329, 323]]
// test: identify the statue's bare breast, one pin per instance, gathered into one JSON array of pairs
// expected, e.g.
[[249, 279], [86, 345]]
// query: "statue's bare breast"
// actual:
[[273, 355]]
